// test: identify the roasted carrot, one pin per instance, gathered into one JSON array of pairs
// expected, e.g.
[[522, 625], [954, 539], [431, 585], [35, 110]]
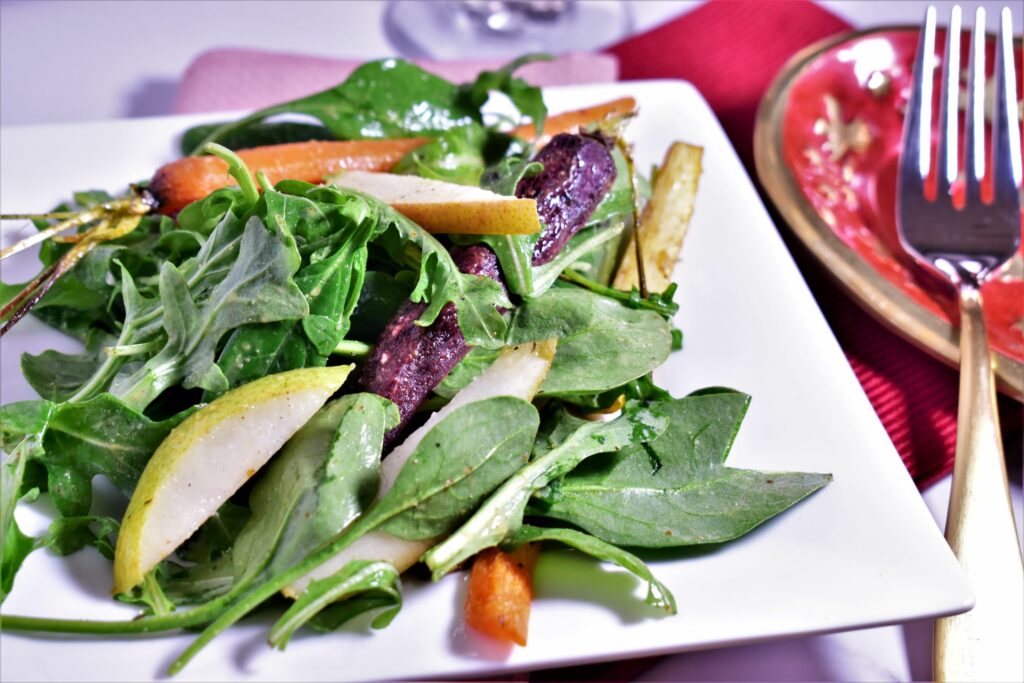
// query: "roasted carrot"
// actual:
[[500, 591], [571, 121], [186, 180]]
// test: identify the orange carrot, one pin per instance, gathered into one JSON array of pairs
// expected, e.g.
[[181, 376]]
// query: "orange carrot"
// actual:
[[191, 178], [571, 121], [500, 591]]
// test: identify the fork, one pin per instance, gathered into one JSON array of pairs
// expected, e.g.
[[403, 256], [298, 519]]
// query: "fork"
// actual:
[[967, 244]]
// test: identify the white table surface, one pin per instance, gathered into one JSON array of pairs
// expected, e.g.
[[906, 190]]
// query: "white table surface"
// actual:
[[87, 60]]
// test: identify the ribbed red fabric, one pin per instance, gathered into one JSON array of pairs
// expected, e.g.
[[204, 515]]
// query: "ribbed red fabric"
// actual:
[[731, 50]]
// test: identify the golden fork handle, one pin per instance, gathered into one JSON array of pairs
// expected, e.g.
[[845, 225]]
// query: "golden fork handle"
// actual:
[[987, 643]]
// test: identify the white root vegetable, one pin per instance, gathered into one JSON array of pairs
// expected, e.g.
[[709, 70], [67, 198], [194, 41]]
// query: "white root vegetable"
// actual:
[[664, 221]]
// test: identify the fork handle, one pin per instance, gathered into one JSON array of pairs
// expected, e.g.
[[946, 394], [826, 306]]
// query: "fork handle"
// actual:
[[986, 643]]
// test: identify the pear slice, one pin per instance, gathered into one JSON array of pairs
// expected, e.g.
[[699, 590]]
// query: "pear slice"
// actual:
[[519, 371], [446, 207], [208, 457]]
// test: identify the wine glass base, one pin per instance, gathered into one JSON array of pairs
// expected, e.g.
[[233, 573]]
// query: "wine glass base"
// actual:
[[444, 30]]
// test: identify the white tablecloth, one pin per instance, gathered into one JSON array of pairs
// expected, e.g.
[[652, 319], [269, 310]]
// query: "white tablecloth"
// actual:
[[78, 61]]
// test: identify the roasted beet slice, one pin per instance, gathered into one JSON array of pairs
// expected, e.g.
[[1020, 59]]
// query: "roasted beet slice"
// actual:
[[578, 172], [410, 360]]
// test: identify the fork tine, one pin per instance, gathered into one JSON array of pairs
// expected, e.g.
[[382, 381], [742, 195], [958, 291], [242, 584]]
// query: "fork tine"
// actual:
[[916, 158], [1006, 162], [974, 119], [949, 111]]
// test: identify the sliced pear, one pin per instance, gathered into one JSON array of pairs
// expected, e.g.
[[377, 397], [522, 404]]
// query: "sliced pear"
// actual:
[[208, 457], [446, 207], [519, 371]]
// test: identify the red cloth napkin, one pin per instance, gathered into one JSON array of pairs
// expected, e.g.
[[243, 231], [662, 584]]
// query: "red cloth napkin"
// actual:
[[731, 50]]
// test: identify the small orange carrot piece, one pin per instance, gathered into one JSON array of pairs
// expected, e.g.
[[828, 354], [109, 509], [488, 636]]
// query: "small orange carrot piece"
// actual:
[[500, 591], [186, 180], [571, 121]]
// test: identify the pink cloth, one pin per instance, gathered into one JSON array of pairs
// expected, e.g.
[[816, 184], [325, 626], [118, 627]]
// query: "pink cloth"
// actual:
[[225, 79]]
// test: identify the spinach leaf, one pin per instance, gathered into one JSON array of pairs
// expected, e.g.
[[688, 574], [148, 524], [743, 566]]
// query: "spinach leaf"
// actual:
[[560, 313], [379, 300], [676, 490], [359, 577], [384, 99], [390, 98], [589, 240], [658, 595], [456, 465], [333, 468], [455, 156], [255, 135], [469, 368], [615, 212], [501, 515], [602, 343]]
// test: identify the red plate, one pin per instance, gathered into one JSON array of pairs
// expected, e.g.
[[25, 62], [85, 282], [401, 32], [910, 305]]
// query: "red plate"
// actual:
[[827, 144]]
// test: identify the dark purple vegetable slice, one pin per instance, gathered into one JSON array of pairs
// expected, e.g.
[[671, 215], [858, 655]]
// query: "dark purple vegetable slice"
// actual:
[[578, 172], [409, 361]]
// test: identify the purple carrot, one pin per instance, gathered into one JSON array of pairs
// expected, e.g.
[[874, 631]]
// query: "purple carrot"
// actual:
[[409, 361]]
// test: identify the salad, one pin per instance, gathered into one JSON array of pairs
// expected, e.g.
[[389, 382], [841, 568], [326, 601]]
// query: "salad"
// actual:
[[317, 355]]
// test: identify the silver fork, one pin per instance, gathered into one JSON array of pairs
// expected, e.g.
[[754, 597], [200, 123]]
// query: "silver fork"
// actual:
[[967, 245]]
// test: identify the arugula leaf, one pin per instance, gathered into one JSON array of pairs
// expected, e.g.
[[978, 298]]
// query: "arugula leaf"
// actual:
[[70, 534], [325, 477], [658, 595], [333, 250], [358, 577], [501, 515], [676, 491], [258, 287], [57, 376], [100, 436], [15, 548]]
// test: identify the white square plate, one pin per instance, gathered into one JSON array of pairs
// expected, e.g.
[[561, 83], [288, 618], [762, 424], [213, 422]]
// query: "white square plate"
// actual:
[[862, 552]]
